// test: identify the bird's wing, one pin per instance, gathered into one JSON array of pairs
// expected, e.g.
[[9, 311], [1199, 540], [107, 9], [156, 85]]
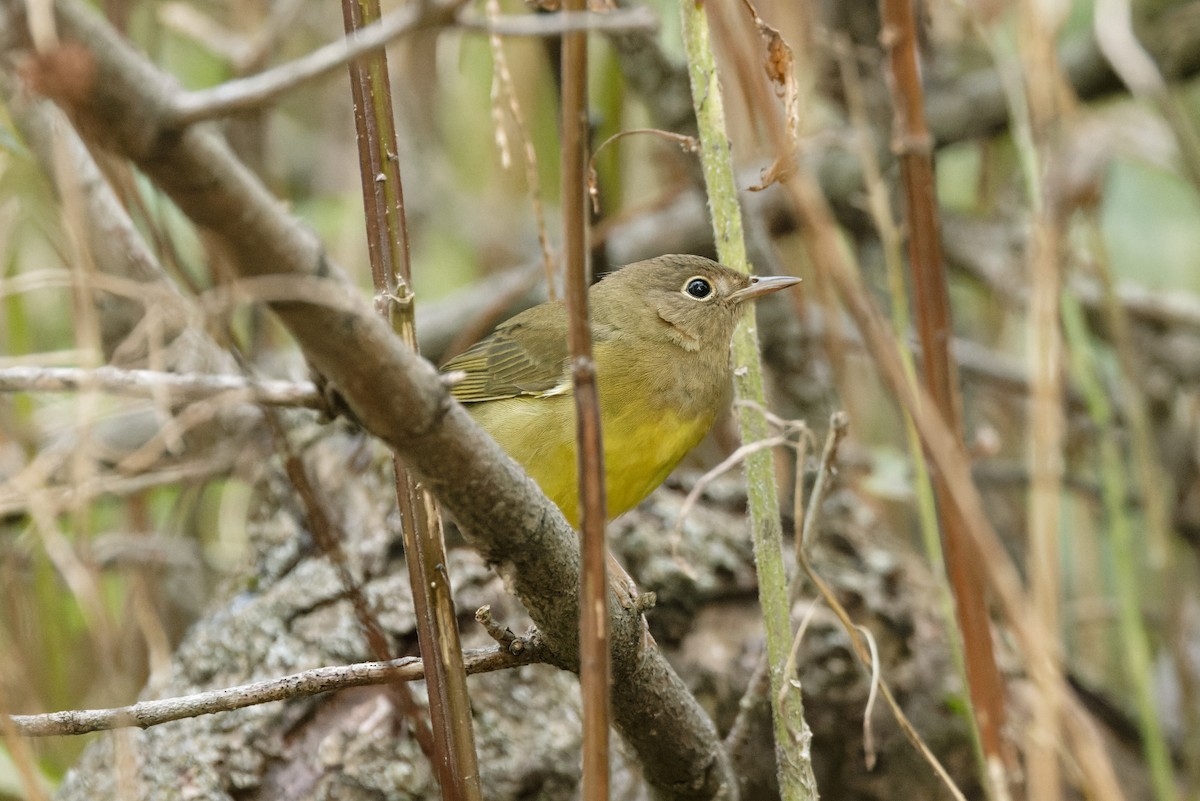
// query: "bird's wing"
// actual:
[[526, 356]]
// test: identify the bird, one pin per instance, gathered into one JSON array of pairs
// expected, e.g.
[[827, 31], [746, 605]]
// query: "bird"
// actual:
[[662, 333]]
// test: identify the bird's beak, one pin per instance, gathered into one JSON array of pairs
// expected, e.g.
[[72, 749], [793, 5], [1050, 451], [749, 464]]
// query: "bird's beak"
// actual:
[[763, 285]]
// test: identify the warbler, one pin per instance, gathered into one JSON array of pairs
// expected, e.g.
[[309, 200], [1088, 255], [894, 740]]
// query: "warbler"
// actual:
[[661, 337]]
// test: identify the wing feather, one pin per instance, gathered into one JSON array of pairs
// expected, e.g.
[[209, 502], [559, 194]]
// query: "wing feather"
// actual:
[[526, 356]]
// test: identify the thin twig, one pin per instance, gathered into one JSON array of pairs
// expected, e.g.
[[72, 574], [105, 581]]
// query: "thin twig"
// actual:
[[866, 654], [839, 424], [59, 498], [687, 144], [863, 651], [145, 714], [728, 463], [787, 427], [268, 86], [177, 387], [756, 693], [872, 695], [789, 667]]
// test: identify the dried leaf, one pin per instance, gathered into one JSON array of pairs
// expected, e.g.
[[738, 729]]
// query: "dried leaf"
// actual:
[[779, 171], [779, 64]]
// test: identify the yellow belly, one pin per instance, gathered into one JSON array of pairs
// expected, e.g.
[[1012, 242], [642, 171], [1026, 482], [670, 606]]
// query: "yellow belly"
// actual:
[[640, 451]]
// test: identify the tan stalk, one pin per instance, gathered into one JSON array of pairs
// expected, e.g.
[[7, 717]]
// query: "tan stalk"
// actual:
[[594, 625], [1036, 140], [914, 146], [387, 242], [892, 243]]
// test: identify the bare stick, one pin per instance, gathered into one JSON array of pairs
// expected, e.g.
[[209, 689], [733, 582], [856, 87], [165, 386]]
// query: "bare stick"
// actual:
[[177, 387], [594, 661], [145, 714], [839, 424], [868, 729], [267, 86]]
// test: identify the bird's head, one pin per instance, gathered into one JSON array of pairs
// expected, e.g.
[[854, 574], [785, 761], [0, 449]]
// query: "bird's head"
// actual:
[[689, 300]]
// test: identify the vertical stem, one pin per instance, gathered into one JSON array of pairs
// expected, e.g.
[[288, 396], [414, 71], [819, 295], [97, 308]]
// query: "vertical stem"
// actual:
[[943, 445], [1124, 556], [1039, 24], [1047, 432], [792, 735], [914, 145], [1156, 487], [593, 602], [387, 242], [892, 242]]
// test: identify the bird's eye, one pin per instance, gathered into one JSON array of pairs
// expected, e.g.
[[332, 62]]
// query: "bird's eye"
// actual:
[[698, 288]]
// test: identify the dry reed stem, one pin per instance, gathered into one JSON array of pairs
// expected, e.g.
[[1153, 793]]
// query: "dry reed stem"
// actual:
[[594, 635], [453, 739]]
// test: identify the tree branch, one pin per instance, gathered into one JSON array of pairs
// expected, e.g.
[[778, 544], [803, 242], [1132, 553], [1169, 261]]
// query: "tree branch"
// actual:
[[175, 387], [265, 87], [145, 714]]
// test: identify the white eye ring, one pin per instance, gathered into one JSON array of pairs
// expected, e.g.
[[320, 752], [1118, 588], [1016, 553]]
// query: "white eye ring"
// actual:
[[698, 288]]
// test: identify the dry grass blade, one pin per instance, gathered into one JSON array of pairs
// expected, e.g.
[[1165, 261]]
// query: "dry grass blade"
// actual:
[[864, 653], [868, 729], [504, 99], [867, 652]]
